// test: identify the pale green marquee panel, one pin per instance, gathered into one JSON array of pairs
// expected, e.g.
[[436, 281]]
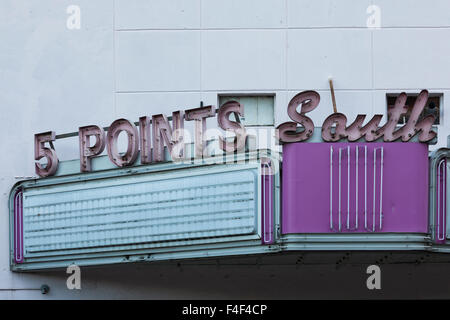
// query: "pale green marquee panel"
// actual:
[[258, 110], [153, 212]]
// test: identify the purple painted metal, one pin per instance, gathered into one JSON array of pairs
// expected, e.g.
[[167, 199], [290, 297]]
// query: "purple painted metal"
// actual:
[[393, 200], [18, 227], [267, 203], [87, 152], [40, 151], [441, 202], [133, 143], [226, 124]]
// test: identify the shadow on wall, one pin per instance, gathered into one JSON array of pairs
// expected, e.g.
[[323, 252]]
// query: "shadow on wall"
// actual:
[[289, 276]]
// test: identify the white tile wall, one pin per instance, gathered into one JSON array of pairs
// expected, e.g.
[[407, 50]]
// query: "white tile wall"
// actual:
[[132, 106], [53, 78], [414, 13], [411, 58], [157, 14], [243, 60], [158, 61], [314, 55], [243, 14], [327, 13]]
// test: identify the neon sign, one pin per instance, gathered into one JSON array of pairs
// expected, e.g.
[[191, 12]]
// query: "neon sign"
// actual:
[[156, 132]]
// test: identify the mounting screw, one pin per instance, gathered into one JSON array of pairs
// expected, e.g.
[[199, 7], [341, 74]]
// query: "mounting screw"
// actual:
[[45, 289]]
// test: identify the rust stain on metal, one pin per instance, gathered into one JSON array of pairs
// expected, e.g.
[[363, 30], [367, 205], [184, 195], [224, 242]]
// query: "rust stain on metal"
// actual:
[[40, 151], [199, 115], [226, 124], [145, 139], [86, 151], [172, 136], [334, 127], [133, 142], [308, 101]]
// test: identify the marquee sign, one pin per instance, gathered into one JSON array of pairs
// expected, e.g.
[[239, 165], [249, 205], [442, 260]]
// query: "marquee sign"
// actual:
[[355, 190], [155, 132], [160, 212]]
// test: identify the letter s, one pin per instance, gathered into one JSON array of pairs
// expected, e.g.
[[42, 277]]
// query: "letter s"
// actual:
[[226, 124], [287, 132]]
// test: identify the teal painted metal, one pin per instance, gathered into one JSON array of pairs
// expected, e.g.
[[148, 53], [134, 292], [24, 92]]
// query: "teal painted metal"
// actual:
[[259, 110], [371, 242], [143, 213], [157, 208], [60, 226]]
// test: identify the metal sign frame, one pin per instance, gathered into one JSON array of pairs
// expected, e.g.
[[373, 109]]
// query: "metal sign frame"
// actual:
[[225, 246]]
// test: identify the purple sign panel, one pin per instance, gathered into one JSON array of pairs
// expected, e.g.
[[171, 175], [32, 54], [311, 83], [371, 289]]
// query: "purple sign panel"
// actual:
[[354, 187]]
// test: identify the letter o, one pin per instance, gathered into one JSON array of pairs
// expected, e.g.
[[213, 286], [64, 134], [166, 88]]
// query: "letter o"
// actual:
[[131, 154], [341, 121]]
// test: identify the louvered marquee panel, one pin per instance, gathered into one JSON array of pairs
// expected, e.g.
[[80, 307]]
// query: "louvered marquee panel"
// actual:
[[147, 209], [106, 219]]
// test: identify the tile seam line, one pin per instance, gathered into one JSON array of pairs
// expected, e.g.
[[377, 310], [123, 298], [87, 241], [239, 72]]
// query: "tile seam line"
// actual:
[[278, 90], [282, 28]]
